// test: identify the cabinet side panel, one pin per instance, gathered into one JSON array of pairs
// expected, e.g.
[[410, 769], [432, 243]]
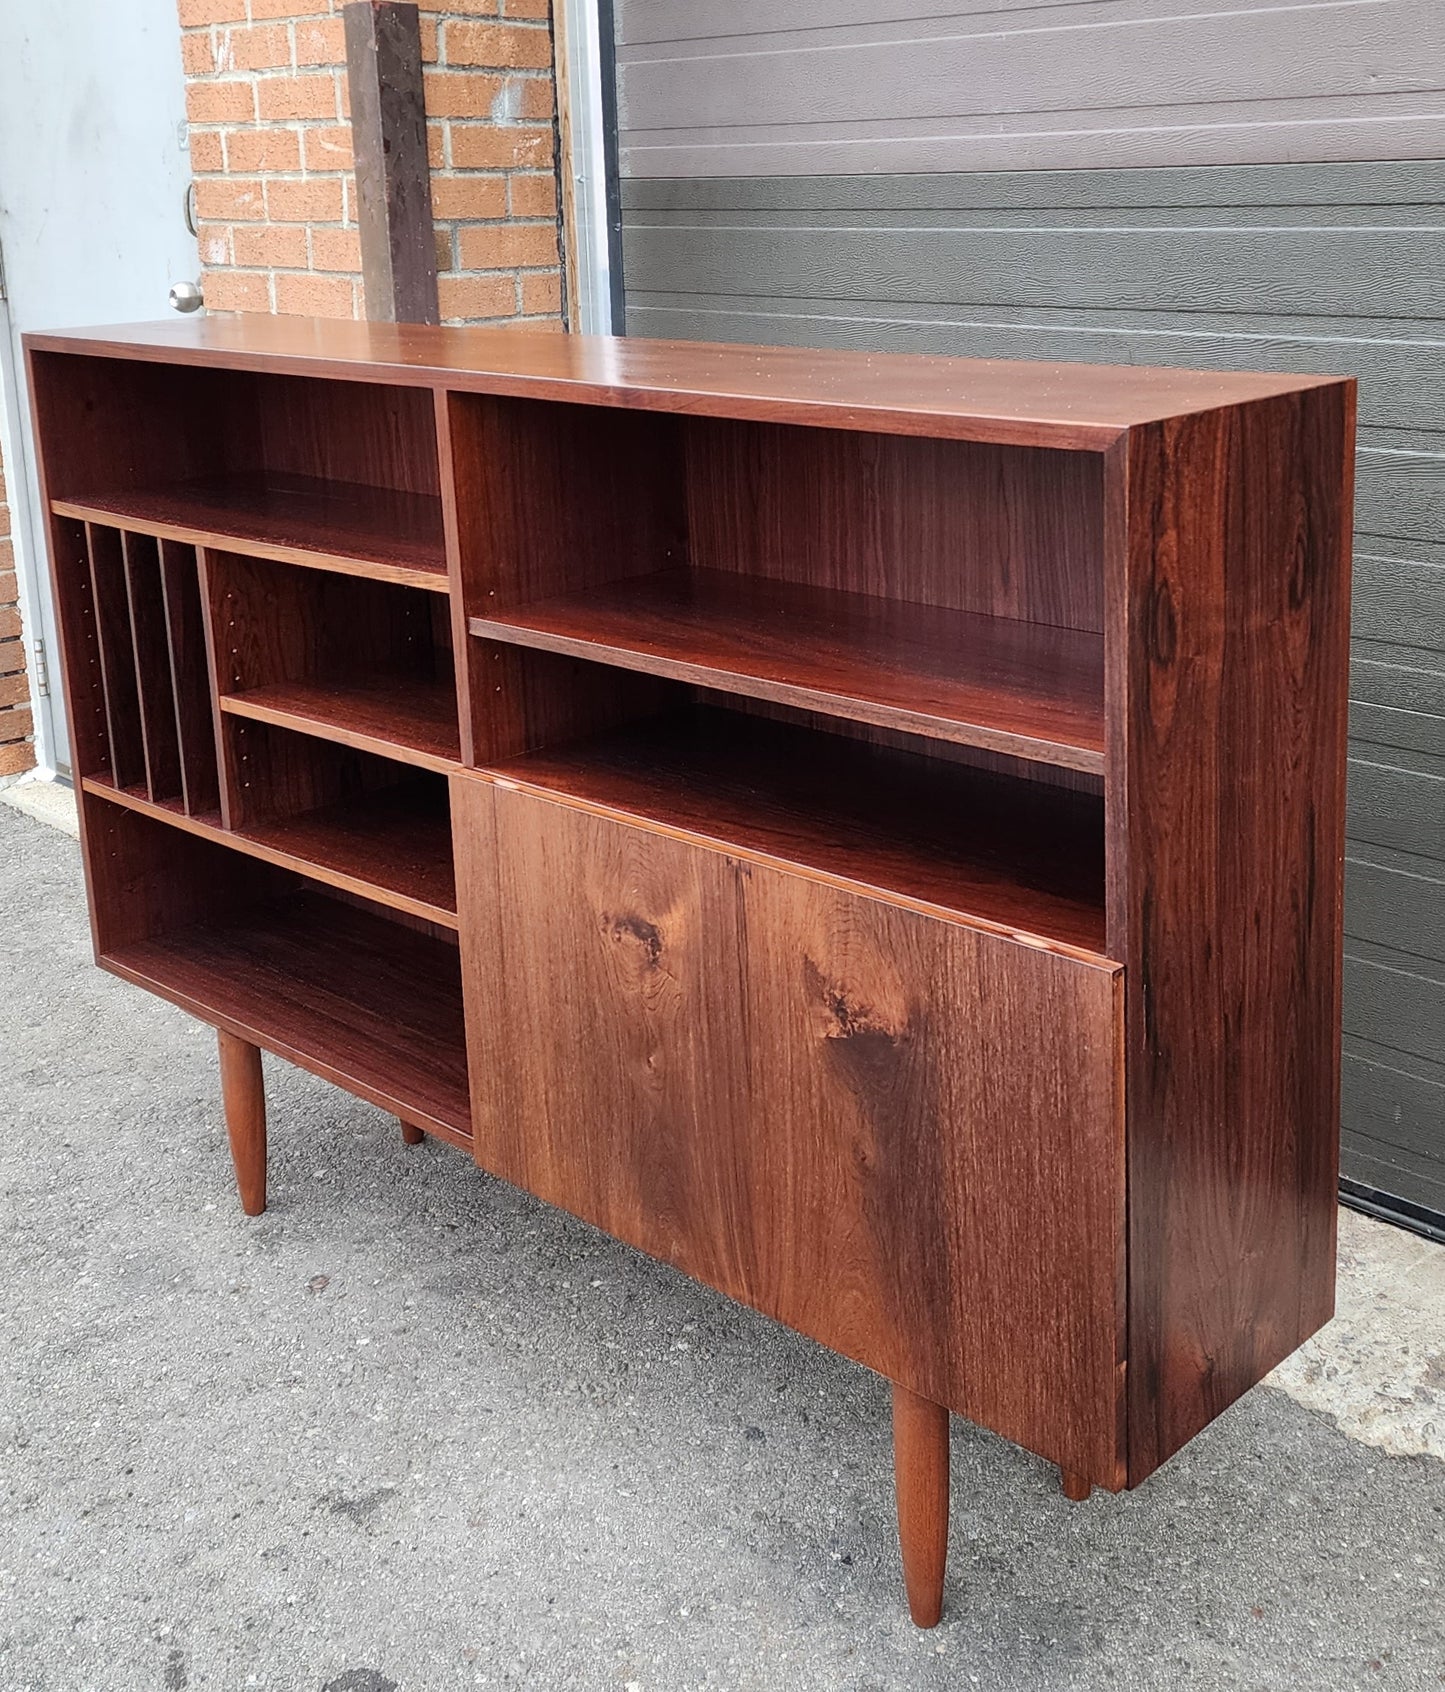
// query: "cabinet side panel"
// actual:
[[1229, 683], [893, 1133]]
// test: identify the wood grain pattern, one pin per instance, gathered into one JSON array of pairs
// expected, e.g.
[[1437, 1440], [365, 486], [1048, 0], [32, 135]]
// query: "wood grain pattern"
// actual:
[[243, 1097], [367, 1004], [414, 722], [1004, 532], [114, 643], [1226, 818], [1023, 858], [814, 1101], [299, 520], [150, 648], [190, 678], [1019, 688], [1061, 405], [920, 1478]]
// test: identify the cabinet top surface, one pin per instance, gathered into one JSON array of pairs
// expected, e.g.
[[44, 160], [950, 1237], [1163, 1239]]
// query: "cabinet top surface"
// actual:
[[1067, 405]]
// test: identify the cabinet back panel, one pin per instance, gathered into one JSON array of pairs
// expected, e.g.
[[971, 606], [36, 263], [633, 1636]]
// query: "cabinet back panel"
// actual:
[[1005, 531]]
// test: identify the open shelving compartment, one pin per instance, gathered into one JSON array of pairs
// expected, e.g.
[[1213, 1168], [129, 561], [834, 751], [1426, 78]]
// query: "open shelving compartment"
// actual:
[[336, 474], [874, 657], [257, 619]]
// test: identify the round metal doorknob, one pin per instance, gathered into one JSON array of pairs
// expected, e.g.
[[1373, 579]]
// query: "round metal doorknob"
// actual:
[[187, 296]]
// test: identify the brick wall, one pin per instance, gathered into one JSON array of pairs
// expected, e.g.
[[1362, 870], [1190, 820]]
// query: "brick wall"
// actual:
[[271, 156], [17, 752]]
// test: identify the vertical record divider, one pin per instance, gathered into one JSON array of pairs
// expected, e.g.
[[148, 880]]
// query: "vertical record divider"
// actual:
[[150, 646], [117, 659], [190, 678]]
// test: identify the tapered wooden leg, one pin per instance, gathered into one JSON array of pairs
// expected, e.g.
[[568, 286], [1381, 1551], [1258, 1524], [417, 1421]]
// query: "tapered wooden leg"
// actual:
[[920, 1479], [1075, 1486], [243, 1094], [410, 1133]]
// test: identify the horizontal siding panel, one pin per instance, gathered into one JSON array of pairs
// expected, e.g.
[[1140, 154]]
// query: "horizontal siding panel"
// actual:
[[707, 90], [1392, 1007], [1398, 808], [1390, 908], [1390, 182], [1389, 271]]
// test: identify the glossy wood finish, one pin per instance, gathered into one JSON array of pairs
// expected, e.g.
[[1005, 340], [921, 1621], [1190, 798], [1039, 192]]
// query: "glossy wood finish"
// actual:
[[1229, 653], [1077, 406], [999, 1056], [1007, 686], [836, 1109], [1024, 859], [1076, 1487], [360, 531], [190, 682], [243, 1097], [360, 1001], [411, 1135], [920, 1472]]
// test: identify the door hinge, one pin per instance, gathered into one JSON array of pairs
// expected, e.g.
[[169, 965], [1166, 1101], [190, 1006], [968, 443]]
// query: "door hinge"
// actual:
[[40, 673]]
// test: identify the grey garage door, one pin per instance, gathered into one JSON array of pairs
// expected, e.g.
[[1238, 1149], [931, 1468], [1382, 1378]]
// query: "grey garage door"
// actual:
[[833, 174]]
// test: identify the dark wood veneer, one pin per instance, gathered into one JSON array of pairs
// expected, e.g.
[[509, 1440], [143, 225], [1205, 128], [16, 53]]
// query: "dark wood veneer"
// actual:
[[867, 831]]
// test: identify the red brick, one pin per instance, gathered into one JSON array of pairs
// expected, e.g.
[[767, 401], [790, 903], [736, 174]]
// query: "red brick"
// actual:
[[198, 53], [296, 96], [267, 47], [536, 97], [316, 200], [207, 152], [328, 147], [271, 246], [430, 40], [237, 290], [9, 622], [262, 9], [470, 196], [542, 294], [15, 759], [4, 520], [230, 199], [442, 239], [263, 149], [12, 648], [526, 8], [436, 144], [514, 46], [462, 93], [462, 8], [468, 297], [9, 588], [197, 12], [533, 194], [14, 690], [216, 243], [316, 296], [335, 249], [220, 102], [507, 246], [321, 41], [477, 146]]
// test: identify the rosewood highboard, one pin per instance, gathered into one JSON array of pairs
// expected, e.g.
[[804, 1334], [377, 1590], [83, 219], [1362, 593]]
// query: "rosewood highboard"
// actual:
[[867, 831]]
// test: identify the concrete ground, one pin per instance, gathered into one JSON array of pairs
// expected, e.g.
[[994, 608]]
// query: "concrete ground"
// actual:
[[411, 1432]]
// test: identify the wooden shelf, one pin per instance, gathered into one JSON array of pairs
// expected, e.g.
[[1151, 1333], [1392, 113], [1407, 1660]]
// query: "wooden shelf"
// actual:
[[394, 716], [368, 1004], [1026, 689], [348, 527], [1018, 857], [394, 846]]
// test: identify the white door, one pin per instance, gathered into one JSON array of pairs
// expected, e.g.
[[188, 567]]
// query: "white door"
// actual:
[[93, 226]]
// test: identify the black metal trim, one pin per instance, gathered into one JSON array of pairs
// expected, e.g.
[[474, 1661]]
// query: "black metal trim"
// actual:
[[1386, 1207], [607, 75]]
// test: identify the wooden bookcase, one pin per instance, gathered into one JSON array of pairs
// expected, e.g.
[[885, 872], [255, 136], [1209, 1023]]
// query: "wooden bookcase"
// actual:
[[867, 831]]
